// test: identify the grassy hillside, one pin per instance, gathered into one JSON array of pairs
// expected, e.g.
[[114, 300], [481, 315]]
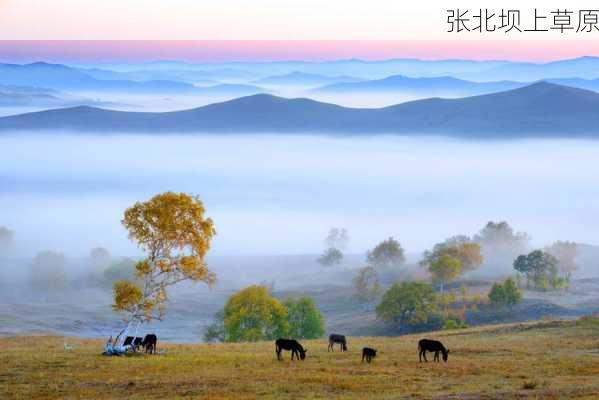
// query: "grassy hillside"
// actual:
[[552, 359]]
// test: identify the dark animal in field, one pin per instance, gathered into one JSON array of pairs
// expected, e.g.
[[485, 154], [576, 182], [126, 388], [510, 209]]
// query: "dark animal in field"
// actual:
[[435, 346], [290, 345], [149, 343], [368, 354], [133, 341], [334, 338]]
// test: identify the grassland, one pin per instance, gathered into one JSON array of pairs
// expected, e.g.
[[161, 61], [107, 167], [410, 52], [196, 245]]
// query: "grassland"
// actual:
[[543, 360]]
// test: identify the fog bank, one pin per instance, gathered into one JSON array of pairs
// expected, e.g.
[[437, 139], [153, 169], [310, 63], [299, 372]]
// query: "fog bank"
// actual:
[[272, 194]]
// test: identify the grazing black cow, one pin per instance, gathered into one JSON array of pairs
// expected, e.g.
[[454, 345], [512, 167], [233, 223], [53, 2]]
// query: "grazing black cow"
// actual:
[[368, 354], [435, 346], [149, 343], [334, 338], [133, 341], [290, 344]]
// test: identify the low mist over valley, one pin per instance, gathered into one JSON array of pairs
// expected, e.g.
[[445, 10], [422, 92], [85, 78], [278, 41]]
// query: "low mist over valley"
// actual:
[[480, 178], [273, 199]]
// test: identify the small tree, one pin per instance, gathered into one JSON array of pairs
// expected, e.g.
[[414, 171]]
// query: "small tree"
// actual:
[[172, 229], [337, 238], [253, 314], [521, 265], [565, 254], [539, 267], [305, 320], [464, 293], [407, 303], [215, 332], [500, 244], [48, 272], [506, 294], [497, 295], [444, 269], [99, 257], [460, 247], [6, 240], [513, 295], [454, 322], [469, 255], [331, 256], [386, 254], [367, 284]]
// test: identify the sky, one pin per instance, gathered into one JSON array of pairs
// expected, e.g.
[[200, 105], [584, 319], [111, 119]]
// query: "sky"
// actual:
[[235, 30], [271, 50]]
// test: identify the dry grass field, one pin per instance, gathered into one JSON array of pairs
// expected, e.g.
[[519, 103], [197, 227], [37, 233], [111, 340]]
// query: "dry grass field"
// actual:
[[543, 360]]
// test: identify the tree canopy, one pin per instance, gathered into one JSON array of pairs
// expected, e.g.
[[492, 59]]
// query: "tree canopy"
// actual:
[[506, 294], [337, 238], [500, 244], [459, 247], [445, 269], [305, 320], [539, 267], [48, 271], [565, 253], [253, 314], [335, 242], [388, 253], [497, 294], [172, 229], [501, 234], [215, 332], [513, 295], [367, 284], [407, 303], [331, 256]]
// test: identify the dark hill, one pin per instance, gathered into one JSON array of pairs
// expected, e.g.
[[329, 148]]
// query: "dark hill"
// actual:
[[541, 109]]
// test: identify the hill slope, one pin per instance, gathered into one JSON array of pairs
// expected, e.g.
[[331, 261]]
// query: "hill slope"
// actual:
[[441, 86], [541, 109], [546, 360]]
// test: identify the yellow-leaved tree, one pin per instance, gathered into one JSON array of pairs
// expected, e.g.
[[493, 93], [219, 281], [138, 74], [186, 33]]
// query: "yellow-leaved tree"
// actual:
[[172, 230]]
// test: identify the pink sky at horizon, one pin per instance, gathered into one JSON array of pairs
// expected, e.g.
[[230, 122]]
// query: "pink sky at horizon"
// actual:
[[311, 30], [285, 50]]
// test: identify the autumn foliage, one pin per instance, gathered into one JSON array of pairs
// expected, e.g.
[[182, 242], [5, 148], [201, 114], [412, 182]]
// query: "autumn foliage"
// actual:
[[172, 229], [253, 314]]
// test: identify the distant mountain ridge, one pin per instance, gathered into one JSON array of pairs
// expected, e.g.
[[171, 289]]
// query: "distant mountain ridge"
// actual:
[[62, 77], [539, 110], [442, 86], [586, 67], [306, 79]]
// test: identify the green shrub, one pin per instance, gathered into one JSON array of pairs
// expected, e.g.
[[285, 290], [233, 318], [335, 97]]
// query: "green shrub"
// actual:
[[589, 321], [506, 294], [454, 323]]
